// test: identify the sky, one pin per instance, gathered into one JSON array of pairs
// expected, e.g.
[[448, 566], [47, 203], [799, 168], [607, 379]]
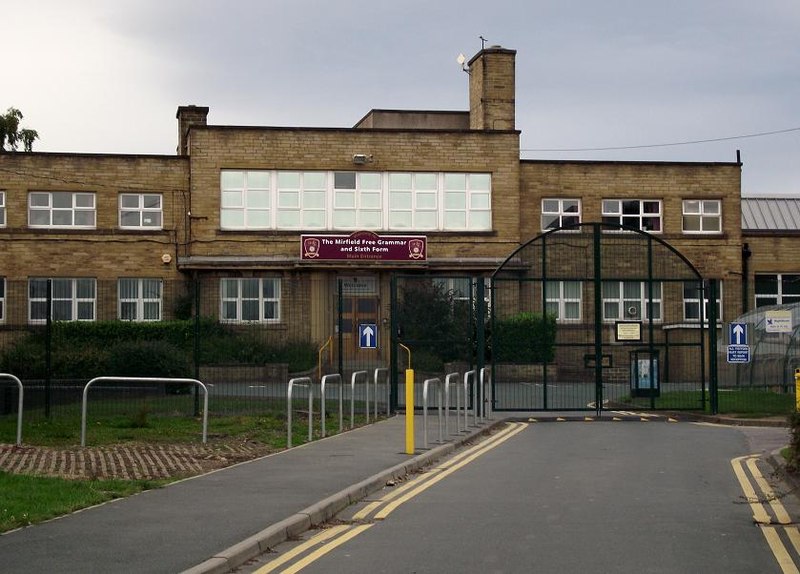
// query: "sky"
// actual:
[[96, 76]]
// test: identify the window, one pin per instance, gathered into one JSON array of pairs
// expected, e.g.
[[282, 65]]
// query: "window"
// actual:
[[702, 216], [2, 208], [350, 200], [639, 214], [250, 300], [779, 289], [246, 200], [73, 300], [563, 299], [61, 209], [691, 302], [302, 200], [413, 201], [140, 210], [140, 299], [2, 299], [627, 301], [357, 200], [560, 213]]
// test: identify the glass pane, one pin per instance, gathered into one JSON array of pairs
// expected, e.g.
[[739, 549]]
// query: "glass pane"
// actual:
[[127, 311], [152, 311], [37, 288], [62, 310], [288, 199], [129, 219], [345, 199], [269, 288], [86, 311], [572, 310], [551, 308], [632, 290], [314, 199], [400, 200], [314, 219], [232, 199], [550, 222], [426, 220], [128, 288], [62, 199], [691, 311], [712, 224], [611, 220], [633, 310], [85, 288], [631, 207], [38, 310], [232, 179], [151, 288], [249, 288], [288, 180], [152, 201], [455, 200], [455, 220], [250, 311], [270, 310], [611, 310], [480, 182], [371, 200], [656, 311], [455, 181], [344, 218], [426, 200], [610, 206], [314, 180], [62, 288], [399, 181], [229, 311], [790, 284], [766, 284], [344, 180], [691, 290], [651, 207], [571, 206], [551, 206], [370, 219], [568, 220], [230, 288], [258, 179], [289, 218], [480, 201], [691, 223], [651, 223], [129, 201], [572, 290], [425, 181], [369, 180], [367, 305], [401, 219], [691, 207], [258, 219], [610, 290], [39, 200], [259, 199], [711, 207], [62, 217], [84, 200], [85, 218], [232, 218], [480, 220], [151, 219]]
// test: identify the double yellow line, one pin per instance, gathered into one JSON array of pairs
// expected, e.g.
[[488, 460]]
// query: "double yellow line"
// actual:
[[330, 538], [766, 515]]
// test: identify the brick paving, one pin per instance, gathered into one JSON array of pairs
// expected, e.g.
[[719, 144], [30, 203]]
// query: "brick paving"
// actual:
[[129, 461]]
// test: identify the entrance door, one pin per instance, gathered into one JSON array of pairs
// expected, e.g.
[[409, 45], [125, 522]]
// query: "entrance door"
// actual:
[[360, 318]]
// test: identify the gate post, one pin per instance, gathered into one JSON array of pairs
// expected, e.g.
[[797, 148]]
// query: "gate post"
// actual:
[[598, 322], [480, 307], [712, 345], [393, 363]]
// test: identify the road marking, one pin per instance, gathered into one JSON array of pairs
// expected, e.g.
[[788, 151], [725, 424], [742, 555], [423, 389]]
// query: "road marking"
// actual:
[[760, 514], [319, 553], [323, 536]]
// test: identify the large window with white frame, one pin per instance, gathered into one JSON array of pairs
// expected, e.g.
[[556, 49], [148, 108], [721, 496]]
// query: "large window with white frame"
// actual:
[[560, 213], [61, 209], [2, 299], [140, 211], [350, 200], [2, 208], [644, 214], [563, 299], [628, 300], [139, 299], [72, 299], [777, 289], [250, 300], [692, 300], [702, 216]]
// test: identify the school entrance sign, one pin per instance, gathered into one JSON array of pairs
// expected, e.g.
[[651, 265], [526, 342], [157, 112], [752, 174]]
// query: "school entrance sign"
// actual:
[[363, 245]]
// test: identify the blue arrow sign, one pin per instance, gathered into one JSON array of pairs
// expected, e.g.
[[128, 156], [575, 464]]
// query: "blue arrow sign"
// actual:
[[737, 334], [368, 335]]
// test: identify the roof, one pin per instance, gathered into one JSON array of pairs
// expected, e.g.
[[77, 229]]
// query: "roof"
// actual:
[[771, 214]]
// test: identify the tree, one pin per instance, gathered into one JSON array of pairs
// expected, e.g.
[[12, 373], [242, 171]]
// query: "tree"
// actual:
[[11, 135]]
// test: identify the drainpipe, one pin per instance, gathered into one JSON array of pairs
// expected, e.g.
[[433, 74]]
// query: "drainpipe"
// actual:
[[746, 254]]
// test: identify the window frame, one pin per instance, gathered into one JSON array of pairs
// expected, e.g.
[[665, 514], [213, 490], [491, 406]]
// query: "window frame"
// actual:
[[622, 301], [51, 210], [561, 300], [702, 216], [140, 301], [779, 296], [239, 300], [141, 210], [695, 302], [560, 214], [3, 305], [2, 208], [621, 216], [75, 300]]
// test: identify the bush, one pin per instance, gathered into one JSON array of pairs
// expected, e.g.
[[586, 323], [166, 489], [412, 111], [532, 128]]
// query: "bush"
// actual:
[[147, 359], [524, 338], [793, 464]]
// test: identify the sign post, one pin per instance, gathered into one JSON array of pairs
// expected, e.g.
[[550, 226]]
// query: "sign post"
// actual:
[[738, 349]]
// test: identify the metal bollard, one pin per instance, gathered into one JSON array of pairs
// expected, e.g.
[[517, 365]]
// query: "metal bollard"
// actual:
[[797, 389]]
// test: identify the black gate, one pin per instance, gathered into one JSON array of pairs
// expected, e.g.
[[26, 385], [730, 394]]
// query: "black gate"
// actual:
[[598, 316]]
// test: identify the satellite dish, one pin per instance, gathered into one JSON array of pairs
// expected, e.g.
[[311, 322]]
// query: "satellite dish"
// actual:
[[461, 59]]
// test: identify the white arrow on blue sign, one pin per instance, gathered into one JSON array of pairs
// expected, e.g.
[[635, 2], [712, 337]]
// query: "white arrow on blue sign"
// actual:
[[368, 335], [737, 334]]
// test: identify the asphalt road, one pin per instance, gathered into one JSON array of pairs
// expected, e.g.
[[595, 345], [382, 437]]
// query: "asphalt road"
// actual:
[[570, 497]]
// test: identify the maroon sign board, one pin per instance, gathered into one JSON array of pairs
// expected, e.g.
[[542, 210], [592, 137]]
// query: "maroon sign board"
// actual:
[[363, 245]]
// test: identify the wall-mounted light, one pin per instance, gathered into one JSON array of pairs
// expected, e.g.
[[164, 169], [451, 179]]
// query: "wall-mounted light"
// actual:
[[361, 158]]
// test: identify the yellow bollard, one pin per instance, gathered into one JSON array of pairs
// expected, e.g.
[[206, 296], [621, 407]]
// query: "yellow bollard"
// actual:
[[797, 389], [409, 411]]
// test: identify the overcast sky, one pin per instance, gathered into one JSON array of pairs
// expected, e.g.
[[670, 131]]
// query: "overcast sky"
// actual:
[[107, 76]]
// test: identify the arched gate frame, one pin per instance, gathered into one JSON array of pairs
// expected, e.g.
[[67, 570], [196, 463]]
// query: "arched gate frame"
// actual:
[[626, 324]]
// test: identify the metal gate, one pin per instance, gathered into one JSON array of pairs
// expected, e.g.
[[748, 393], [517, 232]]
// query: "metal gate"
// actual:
[[599, 316]]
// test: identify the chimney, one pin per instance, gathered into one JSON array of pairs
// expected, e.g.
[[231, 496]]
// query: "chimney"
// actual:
[[492, 89], [189, 117]]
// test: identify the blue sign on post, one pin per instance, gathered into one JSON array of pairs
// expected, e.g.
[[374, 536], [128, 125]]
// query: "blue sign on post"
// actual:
[[738, 354], [737, 334], [368, 336]]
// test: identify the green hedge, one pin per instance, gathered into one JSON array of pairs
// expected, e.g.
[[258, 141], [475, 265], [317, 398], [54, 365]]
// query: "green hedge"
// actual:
[[524, 338]]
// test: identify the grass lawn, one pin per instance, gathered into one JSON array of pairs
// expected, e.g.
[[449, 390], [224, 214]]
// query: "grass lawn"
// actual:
[[736, 403]]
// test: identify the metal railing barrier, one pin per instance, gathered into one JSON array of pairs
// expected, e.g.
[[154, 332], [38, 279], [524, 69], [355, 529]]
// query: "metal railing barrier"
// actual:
[[337, 378], [375, 377], [448, 380], [171, 381], [355, 376], [425, 384], [299, 382], [470, 376], [19, 404], [486, 393]]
